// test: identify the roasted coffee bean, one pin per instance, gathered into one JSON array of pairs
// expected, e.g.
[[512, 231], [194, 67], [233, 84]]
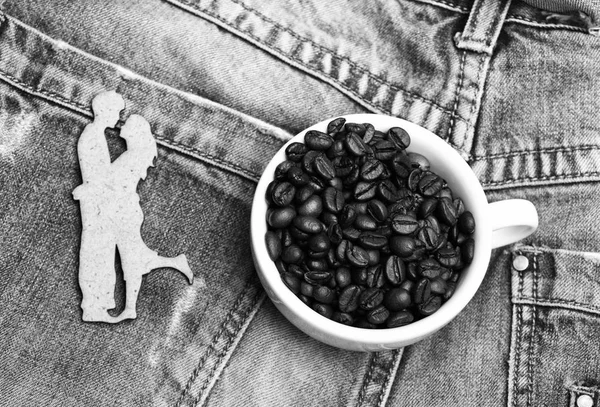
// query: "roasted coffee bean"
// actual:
[[337, 149], [370, 298], [429, 306], [468, 251], [371, 170], [295, 151], [359, 276], [297, 177], [408, 285], [292, 254], [369, 132], [286, 238], [317, 263], [296, 270], [357, 256], [334, 232], [352, 178], [364, 324], [316, 184], [336, 125], [280, 265], [387, 190], [438, 286], [298, 235], [337, 183], [446, 193], [343, 166], [349, 298], [427, 208], [306, 289], [274, 245], [399, 137], [404, 224], [355, 145], [430, 268], [377, 210], [418, 161], [279, 218], [283, 168], [323, 167], [313, 206], [430, 184], [365, 222], [302, 194], [333, 200], [340, 251], [384, 150], [395, 270], [370, 240], [308, 224], [351, 233], [378, 315], [403, 246], [413, 179], [412, 271], [363, 191], [375, 276], [283, 193], [446, 274], [402, 165], [329, 218], [398, 319], [343, 277], [397, 299], [355, 128], [421, 291], [324, 309], [450, 287], [292, 282], [374, 257], [332, 259], [308, 161], [323, 294], [447, 257], [342, 318], [348, 216], [446, 212], [316, 140], [466, 223], [319, 243], [459, 205], [316, 277], [428, 237]]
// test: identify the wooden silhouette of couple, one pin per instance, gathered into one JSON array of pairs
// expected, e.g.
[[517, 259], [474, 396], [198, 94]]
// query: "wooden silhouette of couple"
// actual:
[[111, 213]]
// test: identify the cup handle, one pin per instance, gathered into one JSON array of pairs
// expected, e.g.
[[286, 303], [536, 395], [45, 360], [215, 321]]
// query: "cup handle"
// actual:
[[512, 220]]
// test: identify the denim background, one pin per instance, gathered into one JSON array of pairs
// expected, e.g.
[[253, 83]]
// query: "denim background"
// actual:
[[224, 84]]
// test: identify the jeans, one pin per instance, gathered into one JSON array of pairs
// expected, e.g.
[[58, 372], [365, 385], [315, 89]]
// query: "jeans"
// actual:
[[224, 84]]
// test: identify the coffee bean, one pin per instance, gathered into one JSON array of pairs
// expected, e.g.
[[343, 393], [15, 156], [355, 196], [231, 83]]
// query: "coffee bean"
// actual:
[[446, 193], [413, 179], [397, 299], [306, 289], [308, 161], [427, 208], [319, 243], [384, 150], [377, 210], [370, 240], [333, 200], [418, 161], [402, 165], [429, 306], [323, 294], [355, 128], [336, 125], [446, 212], [450, 288], [421, 291], [351, 233], [412, 271], [447, 257], [343, 166], [292, 254], [313, 206], [428, 237], [374, 257], [399, 137], [365, 222], [273, 243], [369, 132], [348, 216], [295, 151], [342, 318], [359, 276], [468, 251], [349, 298], [308, 224], [283, 193], [466, 223], [355, 145], [316, 140], [365, 191], [283, 168], [343, 277], [316, 277], [323, 167], [340, 252], [371, 170], [395, 270], [370, 298], [357, 256], [329, 218], [398, 319], [334, 232], [280, 218], [375, 276], [404, 224], [430, 184], [317, 263], [323, 309], [402, 246], [438, 286], [378, 315], [353, 177], [286, 238], [387, 190], [430, 268], [297, 177], [408, 285]]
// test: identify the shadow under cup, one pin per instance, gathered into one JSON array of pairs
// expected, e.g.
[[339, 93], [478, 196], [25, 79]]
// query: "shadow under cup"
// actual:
[[449, 165]]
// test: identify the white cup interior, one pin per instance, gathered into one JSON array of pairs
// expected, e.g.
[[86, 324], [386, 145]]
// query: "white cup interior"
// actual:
[[447, 163]]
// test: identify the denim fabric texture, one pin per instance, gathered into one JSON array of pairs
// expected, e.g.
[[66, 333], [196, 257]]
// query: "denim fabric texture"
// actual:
[[224, 84]]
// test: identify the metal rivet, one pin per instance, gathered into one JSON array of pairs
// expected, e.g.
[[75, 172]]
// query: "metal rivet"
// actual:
[[585, 400], [520, 263]]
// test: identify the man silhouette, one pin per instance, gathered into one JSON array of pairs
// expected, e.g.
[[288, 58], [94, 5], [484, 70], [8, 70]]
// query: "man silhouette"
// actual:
[[111, 214]]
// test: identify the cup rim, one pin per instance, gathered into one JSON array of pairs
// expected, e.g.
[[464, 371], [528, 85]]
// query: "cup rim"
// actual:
[[333, 332]]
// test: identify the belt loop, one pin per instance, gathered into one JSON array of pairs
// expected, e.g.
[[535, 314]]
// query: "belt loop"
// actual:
[[483, 26]]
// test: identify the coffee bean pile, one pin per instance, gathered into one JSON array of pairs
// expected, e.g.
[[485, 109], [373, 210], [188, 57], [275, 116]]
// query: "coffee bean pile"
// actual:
[[362, 231]]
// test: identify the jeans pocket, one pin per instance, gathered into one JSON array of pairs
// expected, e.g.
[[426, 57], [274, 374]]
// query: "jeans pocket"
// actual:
[[555, 327]]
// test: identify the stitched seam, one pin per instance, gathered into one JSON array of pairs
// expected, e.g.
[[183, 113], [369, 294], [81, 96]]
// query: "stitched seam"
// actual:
[[531, 357], [539, 151], [518, 344], [444, 4], [212, 345], [363, 389], [529, 22], [225, 350], [545, 178], [362, 70], [566, 304], [458, 89]]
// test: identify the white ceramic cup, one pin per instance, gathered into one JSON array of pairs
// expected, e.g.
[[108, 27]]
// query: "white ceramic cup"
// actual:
[[497, 224]]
